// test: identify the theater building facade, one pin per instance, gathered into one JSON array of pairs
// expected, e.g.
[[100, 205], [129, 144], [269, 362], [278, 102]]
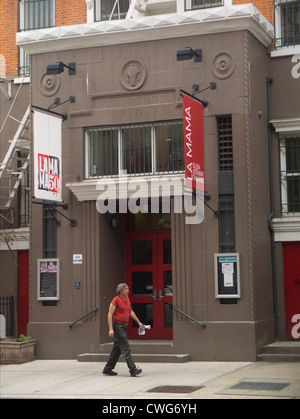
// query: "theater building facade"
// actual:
[[122, 173]]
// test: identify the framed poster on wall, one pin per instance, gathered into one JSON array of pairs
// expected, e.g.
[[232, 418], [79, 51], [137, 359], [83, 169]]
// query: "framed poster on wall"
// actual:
[[227, 275], [48, 279]]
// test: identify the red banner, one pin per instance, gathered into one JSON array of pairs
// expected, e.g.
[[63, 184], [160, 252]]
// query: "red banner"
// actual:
[[193, 143]]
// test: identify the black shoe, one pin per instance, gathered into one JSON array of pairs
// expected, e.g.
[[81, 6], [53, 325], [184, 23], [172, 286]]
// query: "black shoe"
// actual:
[[135, 372], [108, 371]]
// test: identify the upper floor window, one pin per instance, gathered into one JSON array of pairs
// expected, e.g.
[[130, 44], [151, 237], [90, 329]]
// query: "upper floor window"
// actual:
[[33, 14], [142, 149], [290, 174], [202, 4], [36, 14], [111, 9], [287, 23]]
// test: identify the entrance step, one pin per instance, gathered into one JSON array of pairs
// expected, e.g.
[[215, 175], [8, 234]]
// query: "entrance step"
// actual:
[[287, 351], [165, 358], [142, 351], [144, 346]]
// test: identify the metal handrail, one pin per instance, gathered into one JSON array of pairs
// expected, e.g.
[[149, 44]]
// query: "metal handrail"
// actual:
[[189, 317], [83, 317]]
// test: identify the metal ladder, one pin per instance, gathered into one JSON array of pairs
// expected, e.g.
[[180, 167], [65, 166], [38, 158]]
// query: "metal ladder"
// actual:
[[16, 161]]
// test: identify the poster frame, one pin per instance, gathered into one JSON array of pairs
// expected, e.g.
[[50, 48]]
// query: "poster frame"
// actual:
[[222, 290], [57, 279]]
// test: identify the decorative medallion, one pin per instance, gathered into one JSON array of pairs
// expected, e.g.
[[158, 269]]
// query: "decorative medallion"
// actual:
[[133, 75], [223, 65], [49, 84]]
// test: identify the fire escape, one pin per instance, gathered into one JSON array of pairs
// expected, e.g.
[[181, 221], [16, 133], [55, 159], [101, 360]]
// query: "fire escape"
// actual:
[[14, 166]]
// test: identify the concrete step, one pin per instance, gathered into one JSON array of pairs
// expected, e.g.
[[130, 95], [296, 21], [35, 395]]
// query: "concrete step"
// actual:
[[144, 347], [142, 351], [279, 358], [165, 358], [287, 351]]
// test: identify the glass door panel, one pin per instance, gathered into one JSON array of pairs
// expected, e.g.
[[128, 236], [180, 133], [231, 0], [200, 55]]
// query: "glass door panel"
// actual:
[[143, 311], [168, 285], [142, 283], [141, 252], [167, 251]]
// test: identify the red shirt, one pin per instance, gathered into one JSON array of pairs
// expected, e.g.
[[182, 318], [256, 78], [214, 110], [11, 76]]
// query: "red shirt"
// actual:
[[123, 309]]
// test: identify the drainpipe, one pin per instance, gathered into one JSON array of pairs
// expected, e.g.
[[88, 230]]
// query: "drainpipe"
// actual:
[[270, 218]]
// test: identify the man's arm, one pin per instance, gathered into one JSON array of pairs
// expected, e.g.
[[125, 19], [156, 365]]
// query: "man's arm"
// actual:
[[111, 311], [134, 317]]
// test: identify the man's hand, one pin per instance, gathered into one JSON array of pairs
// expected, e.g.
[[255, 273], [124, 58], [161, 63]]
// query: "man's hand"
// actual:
[[111, 333]]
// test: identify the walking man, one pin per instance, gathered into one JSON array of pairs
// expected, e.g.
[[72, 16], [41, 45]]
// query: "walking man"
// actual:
[[118, 316]]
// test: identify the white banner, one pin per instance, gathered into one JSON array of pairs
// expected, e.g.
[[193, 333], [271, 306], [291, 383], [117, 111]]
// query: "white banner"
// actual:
[[47, 157]]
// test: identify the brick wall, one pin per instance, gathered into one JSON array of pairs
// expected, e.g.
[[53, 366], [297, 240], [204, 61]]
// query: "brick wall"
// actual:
[[264, 6], [8, 29], [70, 12], [67, 12]]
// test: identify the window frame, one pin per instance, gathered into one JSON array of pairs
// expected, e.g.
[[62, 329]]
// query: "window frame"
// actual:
[[280, 40], [152, 154], [285, 175], [22, 23], [207, 4], [24, 59], [116, 13]]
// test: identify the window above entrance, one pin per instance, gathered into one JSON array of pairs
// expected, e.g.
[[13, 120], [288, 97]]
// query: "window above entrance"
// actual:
[[134, 150]]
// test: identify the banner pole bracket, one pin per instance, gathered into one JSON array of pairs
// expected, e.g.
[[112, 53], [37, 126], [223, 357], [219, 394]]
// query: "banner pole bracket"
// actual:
[[196, 91], [204, 102], [207, 196], [53, 208]]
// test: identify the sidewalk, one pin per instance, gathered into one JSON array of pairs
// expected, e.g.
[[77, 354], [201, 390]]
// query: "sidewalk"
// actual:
[[64, 379]]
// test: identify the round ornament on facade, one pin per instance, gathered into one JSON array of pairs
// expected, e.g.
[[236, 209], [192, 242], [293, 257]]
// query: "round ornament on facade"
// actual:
[[223, 65], [133, 75], [49, 84]]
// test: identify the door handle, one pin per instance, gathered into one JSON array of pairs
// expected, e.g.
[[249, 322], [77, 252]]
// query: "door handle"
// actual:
[[160, 295], [154, 295]]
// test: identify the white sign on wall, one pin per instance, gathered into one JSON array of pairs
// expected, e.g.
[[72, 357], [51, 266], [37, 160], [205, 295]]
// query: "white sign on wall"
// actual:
[[47, 157], [77, 259]]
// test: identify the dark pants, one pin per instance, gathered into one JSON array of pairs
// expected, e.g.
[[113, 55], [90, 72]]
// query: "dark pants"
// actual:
[[121, 346]]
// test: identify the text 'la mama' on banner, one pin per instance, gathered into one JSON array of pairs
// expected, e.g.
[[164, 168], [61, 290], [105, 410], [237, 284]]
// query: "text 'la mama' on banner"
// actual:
[[193, 143], [47, 157]]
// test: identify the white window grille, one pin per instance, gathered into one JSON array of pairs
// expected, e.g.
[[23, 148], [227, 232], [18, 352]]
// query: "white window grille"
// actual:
[[139, 150], [33, 14], [290, 174], [202, 4], [287, 23]]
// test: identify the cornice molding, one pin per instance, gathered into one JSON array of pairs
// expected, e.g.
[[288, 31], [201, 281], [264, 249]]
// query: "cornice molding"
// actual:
[[148, 28], [286, 229], [119, 188], [286, 125]]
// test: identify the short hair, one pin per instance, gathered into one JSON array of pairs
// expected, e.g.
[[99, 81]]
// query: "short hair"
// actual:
[[120, 287]]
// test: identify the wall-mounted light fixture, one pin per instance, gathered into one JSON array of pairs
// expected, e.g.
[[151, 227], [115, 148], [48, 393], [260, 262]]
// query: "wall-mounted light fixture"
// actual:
[[59, 67], [188, 53]]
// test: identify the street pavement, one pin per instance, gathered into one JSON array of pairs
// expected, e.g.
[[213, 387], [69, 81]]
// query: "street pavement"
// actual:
[[177, 383]]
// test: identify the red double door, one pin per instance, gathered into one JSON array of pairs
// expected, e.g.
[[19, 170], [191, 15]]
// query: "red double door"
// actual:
[[291, 255], [149, 277]]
